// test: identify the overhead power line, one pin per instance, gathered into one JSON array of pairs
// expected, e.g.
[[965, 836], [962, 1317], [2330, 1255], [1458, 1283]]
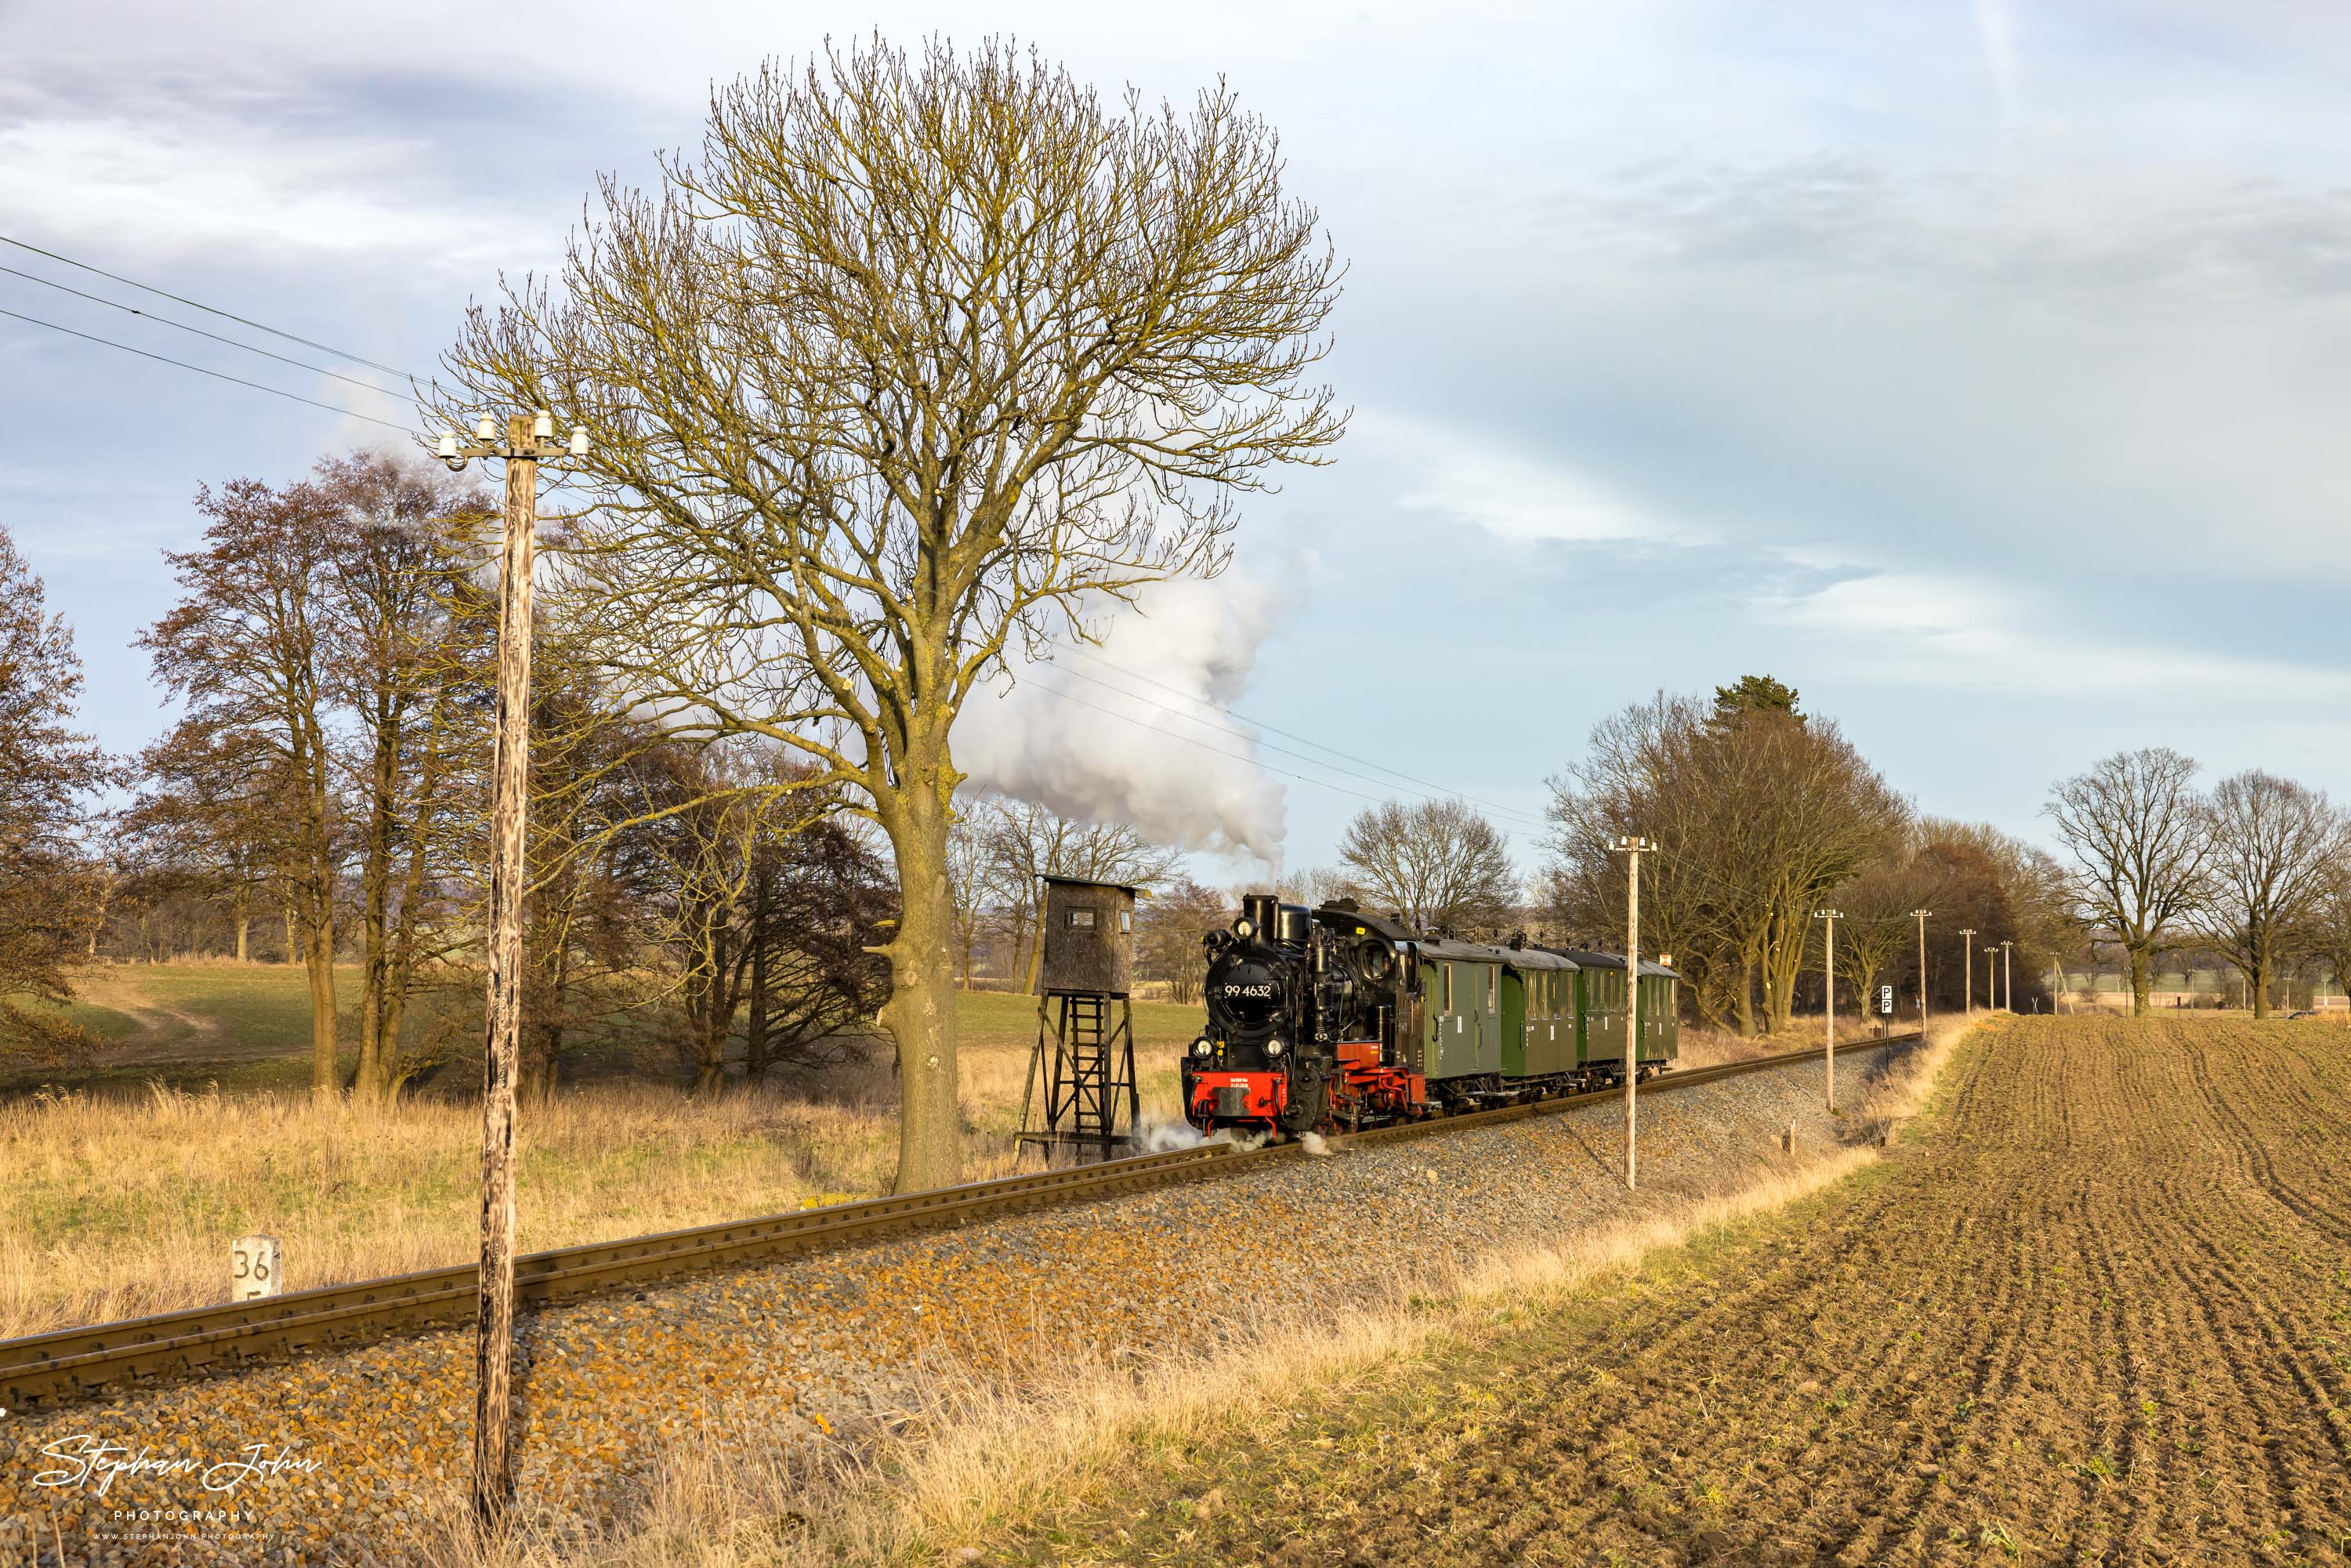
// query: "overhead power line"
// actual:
[[199, 331], [225, 315], [216, 375]]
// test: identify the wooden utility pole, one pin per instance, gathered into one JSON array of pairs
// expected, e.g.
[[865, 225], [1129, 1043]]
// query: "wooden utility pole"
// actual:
[[502, 1010], [1921, 916], [2008, 972], [527, 441], [1631, 848], [1828, 1009], [1992, 979], [1968, 970]]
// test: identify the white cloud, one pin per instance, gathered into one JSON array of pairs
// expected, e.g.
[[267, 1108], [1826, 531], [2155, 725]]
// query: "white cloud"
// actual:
[[1512, 494], [1920, 629], [144, 187]]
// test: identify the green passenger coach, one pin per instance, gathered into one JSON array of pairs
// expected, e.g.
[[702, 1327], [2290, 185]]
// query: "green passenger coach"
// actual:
[[1497, 1023], [1604, 1018]]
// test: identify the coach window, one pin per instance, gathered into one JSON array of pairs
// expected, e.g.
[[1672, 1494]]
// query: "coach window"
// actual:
[[1493, 980], [1447, 969]]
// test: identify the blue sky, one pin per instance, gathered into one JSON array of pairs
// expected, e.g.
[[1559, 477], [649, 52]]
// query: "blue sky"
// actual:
[[1979, 369]]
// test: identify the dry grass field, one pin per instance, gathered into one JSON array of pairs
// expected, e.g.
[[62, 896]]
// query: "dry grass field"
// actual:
[[124, 1195], [2096, 1309]]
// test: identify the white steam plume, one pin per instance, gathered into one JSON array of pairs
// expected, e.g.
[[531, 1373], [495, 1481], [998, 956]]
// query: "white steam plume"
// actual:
[[1146, 761]]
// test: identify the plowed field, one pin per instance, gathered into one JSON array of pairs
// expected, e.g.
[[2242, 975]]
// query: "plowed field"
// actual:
[[2094, 1308]]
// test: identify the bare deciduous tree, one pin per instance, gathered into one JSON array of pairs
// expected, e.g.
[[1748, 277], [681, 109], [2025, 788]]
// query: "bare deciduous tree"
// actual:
[[1167, 931], [2274, 844], [48, 772], [1023, 841], [210, 817], [407, 642], [2135, 829], [1877, 933], [332, 676], [969, 884], [928, 353], [243, 649], [1315, 885], [1759, 810], [1439, 863], [2326, 932], [1972, 873]]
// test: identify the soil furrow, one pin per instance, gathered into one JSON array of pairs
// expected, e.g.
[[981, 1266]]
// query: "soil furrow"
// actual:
[[2097, 1309]]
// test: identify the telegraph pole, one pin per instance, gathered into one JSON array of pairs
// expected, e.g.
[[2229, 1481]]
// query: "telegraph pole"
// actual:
[[1968, 969], [1991, 980], [1828, 1011], [2008, 972], [1921, 916], [1631, 848], [527, 441]]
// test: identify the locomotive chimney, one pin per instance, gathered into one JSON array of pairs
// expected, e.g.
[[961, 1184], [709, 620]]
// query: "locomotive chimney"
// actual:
[[1260, 907]]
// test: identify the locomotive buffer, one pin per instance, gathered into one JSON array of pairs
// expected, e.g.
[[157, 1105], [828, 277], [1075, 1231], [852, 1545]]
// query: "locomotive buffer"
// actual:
[[1084, 1057]]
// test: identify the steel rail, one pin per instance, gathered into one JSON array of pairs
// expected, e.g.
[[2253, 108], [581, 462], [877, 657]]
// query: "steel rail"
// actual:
[[46, 1370]]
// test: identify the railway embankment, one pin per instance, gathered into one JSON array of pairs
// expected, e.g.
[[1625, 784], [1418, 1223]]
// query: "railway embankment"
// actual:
[[355, 1455]]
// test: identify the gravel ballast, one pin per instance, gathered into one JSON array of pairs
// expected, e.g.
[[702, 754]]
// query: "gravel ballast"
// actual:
[[821, 1346]]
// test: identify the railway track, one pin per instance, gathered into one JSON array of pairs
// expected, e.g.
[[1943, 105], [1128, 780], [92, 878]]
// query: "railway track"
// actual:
[[43, 1370]]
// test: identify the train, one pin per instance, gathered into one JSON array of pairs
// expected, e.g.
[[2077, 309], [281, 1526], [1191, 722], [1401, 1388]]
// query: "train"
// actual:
[[1331, 1018]]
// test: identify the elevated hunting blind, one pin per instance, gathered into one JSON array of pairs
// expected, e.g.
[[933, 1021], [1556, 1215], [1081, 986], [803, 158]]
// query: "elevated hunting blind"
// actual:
[[1084, 1057]]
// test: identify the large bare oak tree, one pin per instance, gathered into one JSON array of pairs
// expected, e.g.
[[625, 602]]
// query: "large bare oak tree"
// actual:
[[2275, 844], [49, 774], [928, 352], [2135, 829], [1438, 863]]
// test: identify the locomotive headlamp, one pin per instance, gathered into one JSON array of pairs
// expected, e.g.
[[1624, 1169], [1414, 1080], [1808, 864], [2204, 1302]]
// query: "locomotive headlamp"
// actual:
[[1244, 928], [1201, 1047], [1275, 1047]]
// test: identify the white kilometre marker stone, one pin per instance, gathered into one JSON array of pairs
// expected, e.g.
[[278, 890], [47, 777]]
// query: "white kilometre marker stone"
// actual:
[[253, 1269]]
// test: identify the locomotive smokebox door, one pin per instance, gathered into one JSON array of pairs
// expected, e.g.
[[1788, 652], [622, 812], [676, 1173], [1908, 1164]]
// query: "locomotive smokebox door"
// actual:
[[1089, 938]]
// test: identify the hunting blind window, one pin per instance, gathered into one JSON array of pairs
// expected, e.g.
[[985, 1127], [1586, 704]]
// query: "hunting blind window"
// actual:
[[1082, 919]]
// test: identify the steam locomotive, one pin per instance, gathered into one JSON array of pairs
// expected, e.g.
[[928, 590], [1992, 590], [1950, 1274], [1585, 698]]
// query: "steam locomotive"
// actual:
[[1335, 1019]]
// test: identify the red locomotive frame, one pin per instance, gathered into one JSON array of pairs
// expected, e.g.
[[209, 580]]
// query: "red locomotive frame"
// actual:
[[1365, 1087]]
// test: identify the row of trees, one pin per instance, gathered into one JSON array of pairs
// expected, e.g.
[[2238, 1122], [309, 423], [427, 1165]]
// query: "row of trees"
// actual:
[[2257, 871], [331, 652], [1764, 814], [1438, 863], [1759, 811]]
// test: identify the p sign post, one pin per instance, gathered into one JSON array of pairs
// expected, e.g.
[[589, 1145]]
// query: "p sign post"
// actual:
[[1886, 1008]]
